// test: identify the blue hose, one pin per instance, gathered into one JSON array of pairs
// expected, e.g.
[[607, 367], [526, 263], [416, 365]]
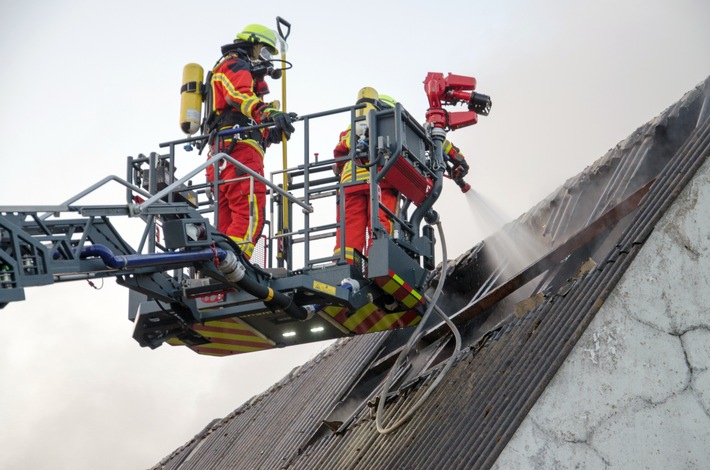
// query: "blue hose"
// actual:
[[270, 297], [152, 259]]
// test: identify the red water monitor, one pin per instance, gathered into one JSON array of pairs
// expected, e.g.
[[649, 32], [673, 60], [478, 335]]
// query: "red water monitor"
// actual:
[[452, 90]]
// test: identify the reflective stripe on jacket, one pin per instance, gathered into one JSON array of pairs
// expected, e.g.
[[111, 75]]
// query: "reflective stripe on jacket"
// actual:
[[345, 167], [233, 92]]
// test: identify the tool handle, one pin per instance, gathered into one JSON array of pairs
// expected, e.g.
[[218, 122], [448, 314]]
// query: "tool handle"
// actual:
[[280, 21]]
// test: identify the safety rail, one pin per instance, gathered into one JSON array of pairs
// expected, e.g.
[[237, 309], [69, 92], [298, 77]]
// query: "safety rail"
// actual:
[[396, 133], [183, 185], [282, 234], [39, 246]]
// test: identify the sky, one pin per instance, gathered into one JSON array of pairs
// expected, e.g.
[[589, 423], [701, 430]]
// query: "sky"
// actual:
[[85, 84]]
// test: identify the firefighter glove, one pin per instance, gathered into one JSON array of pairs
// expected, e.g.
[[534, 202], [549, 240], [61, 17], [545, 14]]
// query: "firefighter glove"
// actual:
[[462, 169], [274, 136], [282, 123]]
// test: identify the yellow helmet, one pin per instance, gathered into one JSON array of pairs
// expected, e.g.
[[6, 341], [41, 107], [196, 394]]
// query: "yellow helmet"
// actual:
[[388, 101], [256, 33]]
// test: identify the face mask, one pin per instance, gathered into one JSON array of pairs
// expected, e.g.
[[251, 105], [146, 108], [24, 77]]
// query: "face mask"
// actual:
[[264, 53]]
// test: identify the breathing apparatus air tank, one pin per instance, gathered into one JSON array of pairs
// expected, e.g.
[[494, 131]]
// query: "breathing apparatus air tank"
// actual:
[[191, 98], [368, 96]]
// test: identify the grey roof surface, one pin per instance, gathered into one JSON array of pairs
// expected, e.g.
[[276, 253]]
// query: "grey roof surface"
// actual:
[[322, 414]]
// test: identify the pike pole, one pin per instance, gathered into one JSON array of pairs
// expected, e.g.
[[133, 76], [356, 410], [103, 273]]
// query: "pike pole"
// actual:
[[284, 143]]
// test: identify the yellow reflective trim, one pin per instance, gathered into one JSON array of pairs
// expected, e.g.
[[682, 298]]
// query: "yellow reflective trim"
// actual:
[[224, 324], [410, 301], [212, 335], [270, 295], [237, 326], [345, 138], [246, 247], [399, 280], [391, 287], [386, 322], [446, 146], [246, 102], [349, 253], [333, 310], [255, 213], [359, 316], [253, 143], [231, 347], [253, 223], [361, 174]]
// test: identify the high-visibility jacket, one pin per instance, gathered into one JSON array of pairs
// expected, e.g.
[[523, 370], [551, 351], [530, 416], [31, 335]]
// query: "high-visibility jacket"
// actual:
[[345, 167], [358, 233], [452, 152], [234, 100]]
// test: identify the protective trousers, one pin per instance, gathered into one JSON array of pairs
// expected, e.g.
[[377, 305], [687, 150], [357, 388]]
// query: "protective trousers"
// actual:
[[241, 212], [358, 230]]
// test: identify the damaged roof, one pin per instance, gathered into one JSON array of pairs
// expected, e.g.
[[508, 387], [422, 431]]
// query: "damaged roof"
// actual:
[[519, 301]]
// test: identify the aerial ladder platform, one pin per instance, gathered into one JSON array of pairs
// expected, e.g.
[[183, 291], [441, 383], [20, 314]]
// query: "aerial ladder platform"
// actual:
[[190, 285]]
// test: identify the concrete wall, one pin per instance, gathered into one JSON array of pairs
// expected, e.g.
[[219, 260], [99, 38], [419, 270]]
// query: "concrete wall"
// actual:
[[635, 392]]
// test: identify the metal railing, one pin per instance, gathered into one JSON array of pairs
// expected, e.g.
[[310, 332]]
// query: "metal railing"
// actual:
[[303, 187]]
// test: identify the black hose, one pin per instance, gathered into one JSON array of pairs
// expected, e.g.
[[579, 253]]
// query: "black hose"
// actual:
[[236, 273], [272, 298]]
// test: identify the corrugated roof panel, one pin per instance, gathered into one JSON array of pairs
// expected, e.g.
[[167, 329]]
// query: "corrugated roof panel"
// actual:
[[468, 419], [314, 388]]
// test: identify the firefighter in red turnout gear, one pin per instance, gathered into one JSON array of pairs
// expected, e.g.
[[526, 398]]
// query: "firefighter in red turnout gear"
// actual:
[[456, 165], [235, 99], [356, 185], [356, 181]]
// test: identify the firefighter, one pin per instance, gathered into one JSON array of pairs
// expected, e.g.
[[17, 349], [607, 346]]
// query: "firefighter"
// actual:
[[356, 184], [358, 232], [235, 99], [456, 165]]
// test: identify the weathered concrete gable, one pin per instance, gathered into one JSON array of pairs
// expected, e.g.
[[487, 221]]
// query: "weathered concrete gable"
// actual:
[[635, 392]]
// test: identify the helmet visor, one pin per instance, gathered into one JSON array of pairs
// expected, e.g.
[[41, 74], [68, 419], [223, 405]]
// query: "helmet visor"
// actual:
[[265, 53]]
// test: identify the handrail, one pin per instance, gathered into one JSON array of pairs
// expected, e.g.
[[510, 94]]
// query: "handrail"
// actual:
[[223, 156], [65, 206], [225, 132], [216, 159]]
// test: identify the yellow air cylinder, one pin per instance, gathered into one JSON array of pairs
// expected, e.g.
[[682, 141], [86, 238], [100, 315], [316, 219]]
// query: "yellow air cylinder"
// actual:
[[367, 95], [191, 98]]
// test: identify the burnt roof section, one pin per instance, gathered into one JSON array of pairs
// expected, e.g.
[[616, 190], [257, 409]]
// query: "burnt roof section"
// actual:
[[519, 312]]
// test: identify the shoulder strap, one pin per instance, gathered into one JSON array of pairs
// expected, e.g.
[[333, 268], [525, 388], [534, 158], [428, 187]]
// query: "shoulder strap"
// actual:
[[207, 99]]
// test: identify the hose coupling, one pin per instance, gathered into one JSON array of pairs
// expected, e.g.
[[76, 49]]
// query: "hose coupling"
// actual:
[[232, 268]]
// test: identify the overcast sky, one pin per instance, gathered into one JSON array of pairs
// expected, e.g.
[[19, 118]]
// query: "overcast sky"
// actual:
[[84, 85]]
